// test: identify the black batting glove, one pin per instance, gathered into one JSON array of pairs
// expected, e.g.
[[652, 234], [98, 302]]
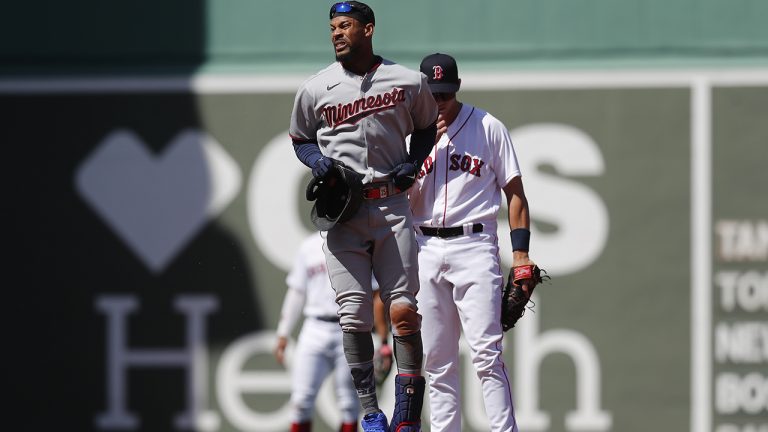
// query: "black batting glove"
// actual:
[[322, 167], [404, 175]]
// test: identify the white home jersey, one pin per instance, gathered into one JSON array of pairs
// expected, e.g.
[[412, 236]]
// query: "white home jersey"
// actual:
[[460, 181], [460, 277], [310, 277], [318, 350]]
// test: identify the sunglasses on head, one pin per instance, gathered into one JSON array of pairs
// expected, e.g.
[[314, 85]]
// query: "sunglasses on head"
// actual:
[[341, 7]]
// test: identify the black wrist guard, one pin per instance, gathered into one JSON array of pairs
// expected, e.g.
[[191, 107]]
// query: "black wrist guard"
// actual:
[[521, 238]]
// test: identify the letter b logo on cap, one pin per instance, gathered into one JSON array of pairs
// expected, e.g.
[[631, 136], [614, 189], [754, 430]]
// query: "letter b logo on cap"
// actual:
[[438, 72]]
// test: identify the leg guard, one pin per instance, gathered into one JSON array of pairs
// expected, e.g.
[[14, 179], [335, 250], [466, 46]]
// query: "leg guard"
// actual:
[[409, 397]]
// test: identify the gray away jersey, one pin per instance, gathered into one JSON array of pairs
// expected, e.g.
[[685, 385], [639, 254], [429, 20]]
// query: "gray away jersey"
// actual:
[[363, 120]]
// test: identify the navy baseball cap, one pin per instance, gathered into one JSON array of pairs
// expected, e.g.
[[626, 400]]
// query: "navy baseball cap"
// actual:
[[357, 10], [442, 73]]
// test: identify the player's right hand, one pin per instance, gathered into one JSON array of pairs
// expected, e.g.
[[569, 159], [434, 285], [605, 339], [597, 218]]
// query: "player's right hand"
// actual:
[[441, 127], [282, 342], [322, 167]]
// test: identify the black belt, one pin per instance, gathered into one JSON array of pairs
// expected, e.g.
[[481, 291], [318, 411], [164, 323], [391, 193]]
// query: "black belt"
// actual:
[[329, 318], [448, 231]]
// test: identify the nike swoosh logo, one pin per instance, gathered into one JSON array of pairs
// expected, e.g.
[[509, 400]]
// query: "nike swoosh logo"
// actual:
[[330, 87]]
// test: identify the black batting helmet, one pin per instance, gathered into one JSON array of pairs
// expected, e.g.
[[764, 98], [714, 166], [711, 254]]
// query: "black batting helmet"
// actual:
[[337, 197]]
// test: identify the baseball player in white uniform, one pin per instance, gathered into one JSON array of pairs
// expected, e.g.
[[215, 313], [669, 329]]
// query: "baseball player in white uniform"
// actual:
[[318, 347], [455, 203], [359, 110]]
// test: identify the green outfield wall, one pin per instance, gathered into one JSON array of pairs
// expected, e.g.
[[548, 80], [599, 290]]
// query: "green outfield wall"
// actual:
[[156, 205], [257, 35]]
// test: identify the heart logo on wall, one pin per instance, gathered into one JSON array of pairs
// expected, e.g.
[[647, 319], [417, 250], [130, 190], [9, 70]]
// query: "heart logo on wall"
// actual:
[[157, 203]]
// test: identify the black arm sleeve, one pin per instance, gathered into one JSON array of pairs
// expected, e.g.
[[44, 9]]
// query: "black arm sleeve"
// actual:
[[422, 141]]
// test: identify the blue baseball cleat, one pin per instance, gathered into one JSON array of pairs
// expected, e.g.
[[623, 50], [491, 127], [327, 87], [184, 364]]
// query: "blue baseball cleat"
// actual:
[[376, 422]]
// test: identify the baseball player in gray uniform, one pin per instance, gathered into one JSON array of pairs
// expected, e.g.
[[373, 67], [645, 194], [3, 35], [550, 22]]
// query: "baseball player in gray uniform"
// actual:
[[455, 204], [359, 111]]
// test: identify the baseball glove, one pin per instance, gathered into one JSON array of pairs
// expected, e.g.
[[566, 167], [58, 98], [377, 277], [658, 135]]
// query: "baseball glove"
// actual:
[[514, 299], [382, 364]]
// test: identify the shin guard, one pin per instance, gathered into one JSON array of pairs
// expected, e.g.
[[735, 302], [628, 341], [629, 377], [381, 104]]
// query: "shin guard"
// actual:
[[409, 397]]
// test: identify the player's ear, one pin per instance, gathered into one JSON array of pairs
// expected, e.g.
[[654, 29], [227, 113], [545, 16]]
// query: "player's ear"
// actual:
[[369, 29]]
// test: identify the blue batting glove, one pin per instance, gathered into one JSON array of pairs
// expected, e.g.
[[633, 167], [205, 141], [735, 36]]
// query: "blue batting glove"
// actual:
[[404, 175], [322, 167]]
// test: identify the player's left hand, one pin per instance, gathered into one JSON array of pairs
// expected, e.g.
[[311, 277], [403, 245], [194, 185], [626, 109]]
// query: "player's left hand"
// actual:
[[382, 363], [523, 278], [404, 175], [520, 259]]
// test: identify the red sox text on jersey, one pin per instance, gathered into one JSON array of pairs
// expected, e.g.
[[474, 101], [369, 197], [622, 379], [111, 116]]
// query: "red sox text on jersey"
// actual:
[[466, 163], [315, 270], [363, 107]]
